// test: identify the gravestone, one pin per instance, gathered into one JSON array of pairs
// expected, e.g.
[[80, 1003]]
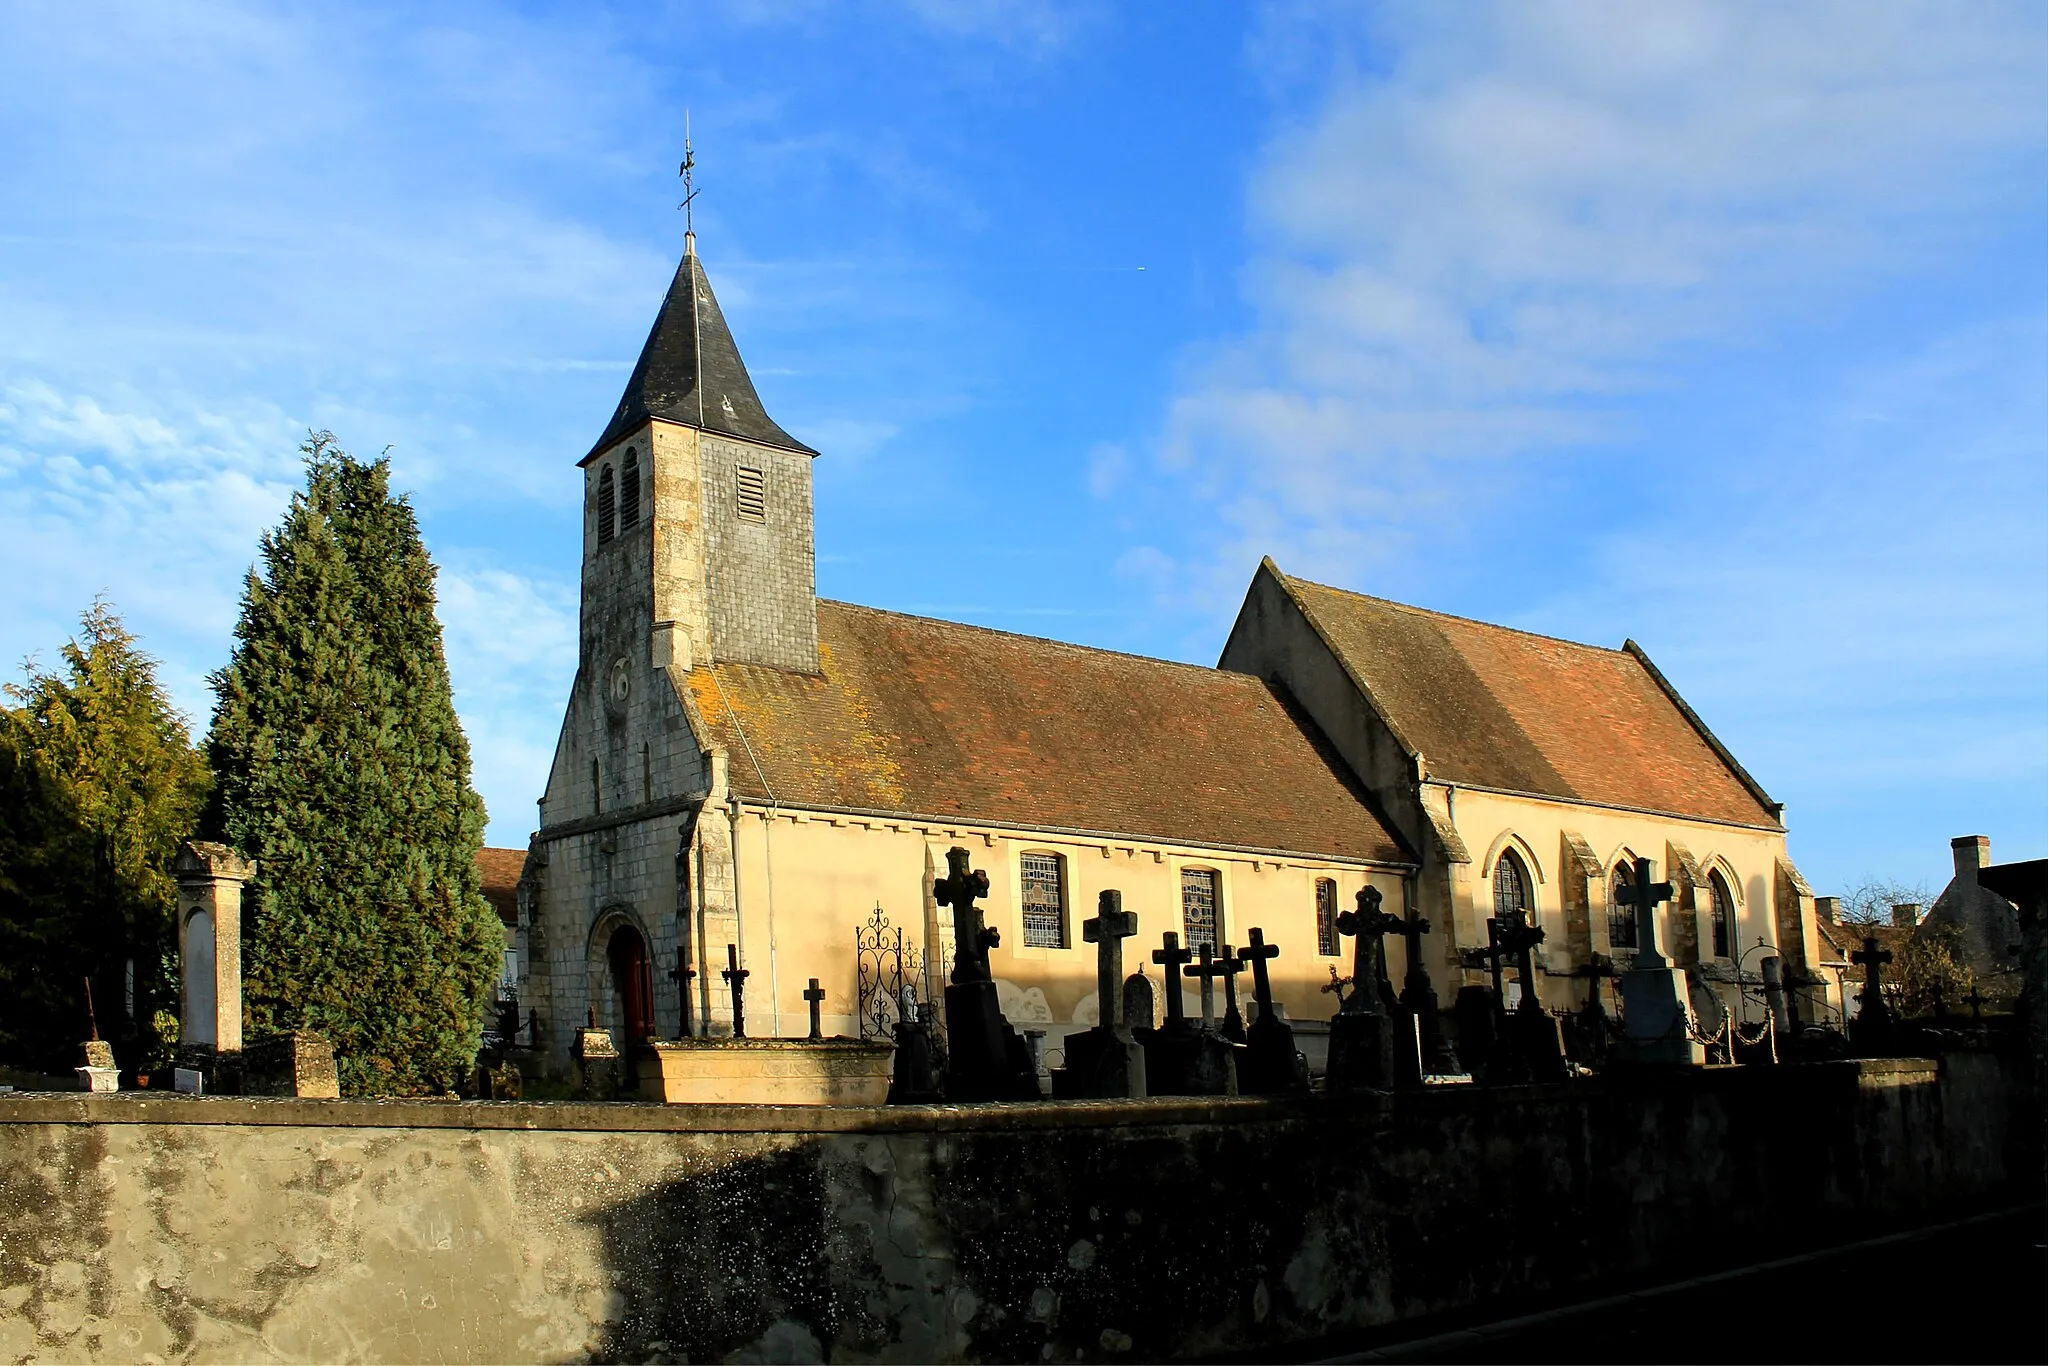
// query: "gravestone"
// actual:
[[1271, 1065], [1182, 1059], [1106, 1061], [296, 1063], [814, 995], [1418, 1005], [1870, 1033], [597, 1061], [1656, 1019], [914, 1081], [97, 1070], [1229, 965], [1535, 1043], [1364, 1034], [736, 980], [1141, 1012], [985, 1058]]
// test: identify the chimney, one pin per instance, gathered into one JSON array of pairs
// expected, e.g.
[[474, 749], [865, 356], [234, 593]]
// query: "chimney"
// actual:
[[1972, 852], [1905, 915], [1829, 909]]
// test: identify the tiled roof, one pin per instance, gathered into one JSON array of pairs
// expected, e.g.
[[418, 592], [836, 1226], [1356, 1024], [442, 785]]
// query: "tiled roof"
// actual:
[[501, 869], [936, 719], [1494, 707], [690, 372]]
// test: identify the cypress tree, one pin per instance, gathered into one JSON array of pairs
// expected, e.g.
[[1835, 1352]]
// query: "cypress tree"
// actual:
[[99, 783], [340, 767]]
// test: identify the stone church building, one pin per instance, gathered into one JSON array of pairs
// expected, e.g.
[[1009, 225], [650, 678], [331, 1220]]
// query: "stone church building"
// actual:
[[747, 769]]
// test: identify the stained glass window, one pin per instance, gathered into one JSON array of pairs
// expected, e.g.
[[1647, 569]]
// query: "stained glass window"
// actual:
[[1198, 905], [1326, 917], [1724, 914], [1621, 916], [1510, 885], [1045, 902]]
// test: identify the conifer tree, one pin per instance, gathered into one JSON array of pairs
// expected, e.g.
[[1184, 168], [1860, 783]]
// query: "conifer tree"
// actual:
[[340, 767], [99, 783]]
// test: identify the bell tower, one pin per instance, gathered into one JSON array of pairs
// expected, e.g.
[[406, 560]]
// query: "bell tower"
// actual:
[[704, 501]]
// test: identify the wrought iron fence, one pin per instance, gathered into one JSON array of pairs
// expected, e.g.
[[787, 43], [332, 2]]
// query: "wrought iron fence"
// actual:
[[891, 984]]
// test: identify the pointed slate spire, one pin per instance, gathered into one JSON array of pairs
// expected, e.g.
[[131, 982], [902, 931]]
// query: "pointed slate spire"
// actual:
[[690, 372]]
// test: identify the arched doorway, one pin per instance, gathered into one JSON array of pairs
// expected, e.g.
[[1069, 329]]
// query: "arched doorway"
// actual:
[[632, 983]]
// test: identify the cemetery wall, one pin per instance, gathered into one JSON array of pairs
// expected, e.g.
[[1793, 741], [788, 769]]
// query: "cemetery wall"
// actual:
[[139, 1227]]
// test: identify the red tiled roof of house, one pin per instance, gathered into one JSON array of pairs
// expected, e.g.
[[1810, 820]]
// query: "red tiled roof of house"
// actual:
[[922, 717], [1494, 707], [501, 869]]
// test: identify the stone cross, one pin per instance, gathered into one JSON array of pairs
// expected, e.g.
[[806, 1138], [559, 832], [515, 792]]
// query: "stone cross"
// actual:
[[1976, 1000], [1643, 895], [1208, 970], [1107, 931], [1871, 959], [1172, 956], [681, 974], [1255, 956], [960, 888], [1233, 1022], [1367, 924], [815, 994], [737, 976]]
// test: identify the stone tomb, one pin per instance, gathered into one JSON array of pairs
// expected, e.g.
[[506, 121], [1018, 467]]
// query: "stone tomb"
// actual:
[[1181, 1059], [1106, 1061]]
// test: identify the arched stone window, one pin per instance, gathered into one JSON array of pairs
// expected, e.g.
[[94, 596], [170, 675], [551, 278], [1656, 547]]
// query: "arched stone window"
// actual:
[[629, 490], [1724, 913], [1621, 916], [1510, 885], [607, 505], [1326, 917]]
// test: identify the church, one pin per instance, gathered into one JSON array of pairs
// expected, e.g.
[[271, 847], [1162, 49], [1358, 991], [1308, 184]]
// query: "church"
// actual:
[[746, 772]]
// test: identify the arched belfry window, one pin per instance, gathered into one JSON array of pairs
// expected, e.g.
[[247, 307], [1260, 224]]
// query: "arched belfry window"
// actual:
[[1510, 885], [1724, 913], [607, 505], [1621, 916], [629, 491]]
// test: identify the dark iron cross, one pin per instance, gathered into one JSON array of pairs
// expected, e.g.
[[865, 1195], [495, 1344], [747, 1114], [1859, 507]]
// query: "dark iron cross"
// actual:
[[1255, 956], [1366, 925], [1519, 937], [1107, 931], [815, 994], [737, 977], [972, 940], [1172, 957], [681, 974], [1644, 895]]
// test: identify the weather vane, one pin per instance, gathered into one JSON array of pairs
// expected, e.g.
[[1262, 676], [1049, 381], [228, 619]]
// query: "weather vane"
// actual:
[[689, 188]]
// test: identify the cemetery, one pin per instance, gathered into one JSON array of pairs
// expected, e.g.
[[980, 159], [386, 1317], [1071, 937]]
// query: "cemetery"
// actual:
[[1174, 1186]]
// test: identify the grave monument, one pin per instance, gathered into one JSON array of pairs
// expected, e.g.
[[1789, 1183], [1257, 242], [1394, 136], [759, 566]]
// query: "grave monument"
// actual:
[[1180, 1058], [1656, 1017], [985, 1058], [1106, 1061], [1270, 1064], [1363, 1036]]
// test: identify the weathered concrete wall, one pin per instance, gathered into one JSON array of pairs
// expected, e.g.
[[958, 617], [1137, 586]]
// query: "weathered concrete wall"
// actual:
[[134, 1228]]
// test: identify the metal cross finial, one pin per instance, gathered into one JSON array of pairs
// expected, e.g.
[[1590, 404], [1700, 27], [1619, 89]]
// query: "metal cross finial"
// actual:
[[689, 190]]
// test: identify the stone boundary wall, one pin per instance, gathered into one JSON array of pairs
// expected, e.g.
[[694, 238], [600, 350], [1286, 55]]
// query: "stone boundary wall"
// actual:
[[137, 1227]]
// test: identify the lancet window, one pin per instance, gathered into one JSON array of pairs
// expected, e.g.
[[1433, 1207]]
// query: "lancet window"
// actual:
[[1723, 912], [1326, 917], [607, 505], [1510, 885], [1621, 916]]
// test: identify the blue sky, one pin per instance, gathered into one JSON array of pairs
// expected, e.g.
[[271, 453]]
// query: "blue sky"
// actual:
[[1721, 327]]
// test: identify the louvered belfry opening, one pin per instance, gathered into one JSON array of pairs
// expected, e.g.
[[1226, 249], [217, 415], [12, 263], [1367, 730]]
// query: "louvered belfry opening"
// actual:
[[629, 490], [607, 505], [751, 493]]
